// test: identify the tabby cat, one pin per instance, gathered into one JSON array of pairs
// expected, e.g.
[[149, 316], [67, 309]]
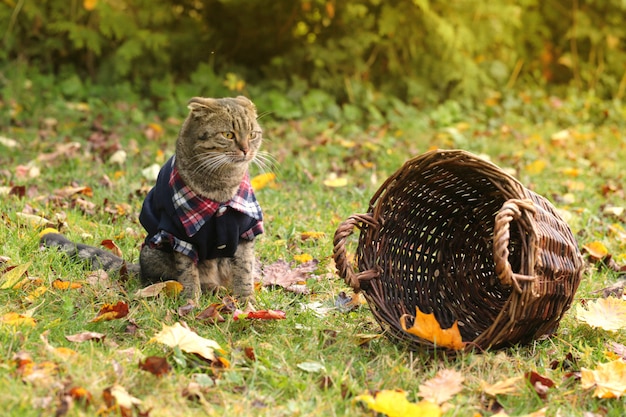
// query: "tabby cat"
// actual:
[[202, 216]]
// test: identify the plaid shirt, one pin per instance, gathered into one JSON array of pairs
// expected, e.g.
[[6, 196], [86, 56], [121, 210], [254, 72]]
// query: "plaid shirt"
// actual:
[[193, 212]]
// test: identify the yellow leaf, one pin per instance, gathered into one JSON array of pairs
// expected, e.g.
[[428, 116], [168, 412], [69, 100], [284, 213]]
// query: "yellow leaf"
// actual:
[[13, 278], [395, 404], [90, 4], [305, 257], [187, 341], [596, 250], [426, 327], [263, 180], [312, 235], [170, 288], [608, 378], [334, 181], [36, 293], [16, 319], [605, 313], [536, 167], [46, 231]]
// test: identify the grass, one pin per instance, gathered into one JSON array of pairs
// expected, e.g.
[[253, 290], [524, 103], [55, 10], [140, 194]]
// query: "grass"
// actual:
[[580, 170]]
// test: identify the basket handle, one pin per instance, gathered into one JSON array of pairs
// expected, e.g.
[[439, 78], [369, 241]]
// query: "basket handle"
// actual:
[[344, 268], [511, 210]]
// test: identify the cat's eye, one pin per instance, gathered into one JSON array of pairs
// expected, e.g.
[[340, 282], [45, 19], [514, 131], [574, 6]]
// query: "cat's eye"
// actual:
[[253, 135], [228, 135]]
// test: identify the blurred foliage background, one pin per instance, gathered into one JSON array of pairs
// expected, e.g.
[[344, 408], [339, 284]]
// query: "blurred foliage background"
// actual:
[[359, 60]]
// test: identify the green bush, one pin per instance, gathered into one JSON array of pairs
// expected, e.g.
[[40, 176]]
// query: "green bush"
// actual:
[[319, 56]]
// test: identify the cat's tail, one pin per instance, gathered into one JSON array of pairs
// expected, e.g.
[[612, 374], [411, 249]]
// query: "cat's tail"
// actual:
[[96, 258]]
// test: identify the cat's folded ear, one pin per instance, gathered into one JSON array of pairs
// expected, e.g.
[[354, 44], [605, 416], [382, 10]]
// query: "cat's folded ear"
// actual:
[[245, 101], [198, 103]]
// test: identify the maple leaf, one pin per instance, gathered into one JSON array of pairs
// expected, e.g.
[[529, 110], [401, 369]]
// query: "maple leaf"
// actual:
[[427, 327], [608, 378], [445, 385], [606, 313], [187, 340], [394, 404]]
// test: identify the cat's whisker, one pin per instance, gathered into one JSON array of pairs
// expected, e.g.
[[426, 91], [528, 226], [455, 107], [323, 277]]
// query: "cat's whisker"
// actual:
[[264, 161]]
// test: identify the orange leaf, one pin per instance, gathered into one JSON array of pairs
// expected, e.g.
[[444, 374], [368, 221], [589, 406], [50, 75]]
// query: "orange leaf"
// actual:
[[260, 314], [110, 245], [112, 312], [66, 285], [427, 327]]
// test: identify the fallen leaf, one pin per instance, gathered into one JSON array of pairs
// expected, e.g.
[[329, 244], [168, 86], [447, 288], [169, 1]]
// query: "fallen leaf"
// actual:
[[427, 327], [617, 349], [249, 352], [112, 246], [596, 250], [334, 181], [507, 387], [395, 404], [85, 337], [311, 366], [187, 341], [16, 319], [540, 383], [156, 365], [211, 314], [259, 314], [13, 277], [33, 295], [116, 397], [69, 191], [263, 180], [303, 258], [112, 312], [65, 285], [445, 385], [536, 167], [169, 288], [609, 379], [33, 220], [291, 278], [312, 235], [606, 313], [81, 395]]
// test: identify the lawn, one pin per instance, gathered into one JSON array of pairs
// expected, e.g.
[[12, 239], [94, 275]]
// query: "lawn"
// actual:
[[84, 168]]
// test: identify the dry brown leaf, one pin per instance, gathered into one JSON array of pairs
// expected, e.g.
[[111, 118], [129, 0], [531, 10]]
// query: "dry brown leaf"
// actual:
[[509, 386], [85, 337], [445, 385], [170, 288], [112, 246], [291, 278], [156, 365]]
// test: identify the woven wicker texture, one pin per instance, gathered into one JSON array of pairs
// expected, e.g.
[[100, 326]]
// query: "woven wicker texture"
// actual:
[[454, 235]]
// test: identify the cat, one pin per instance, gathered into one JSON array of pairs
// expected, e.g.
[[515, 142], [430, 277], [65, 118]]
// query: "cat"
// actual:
[[201, 216]]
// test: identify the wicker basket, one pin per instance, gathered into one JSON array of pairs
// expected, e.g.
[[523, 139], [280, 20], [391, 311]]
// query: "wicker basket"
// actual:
[[452, 234]]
